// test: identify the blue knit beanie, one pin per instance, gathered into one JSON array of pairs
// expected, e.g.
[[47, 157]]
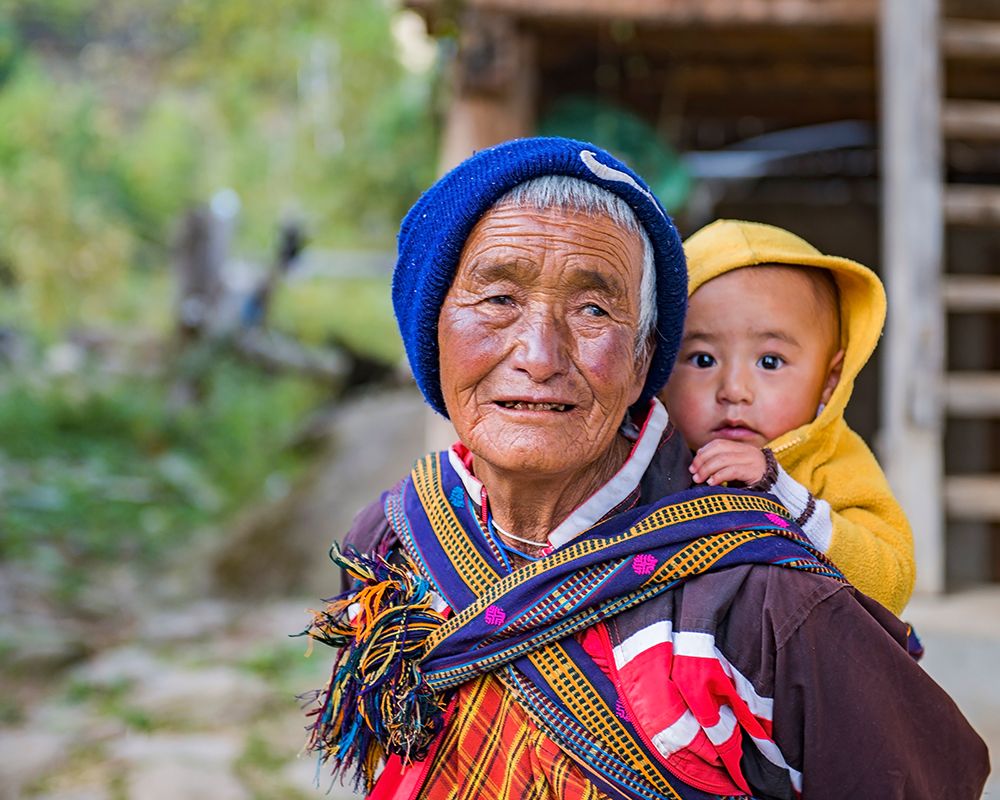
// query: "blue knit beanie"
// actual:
[[434, 231]]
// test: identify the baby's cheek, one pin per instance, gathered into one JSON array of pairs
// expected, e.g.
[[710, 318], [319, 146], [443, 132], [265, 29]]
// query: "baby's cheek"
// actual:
[[680, 391]]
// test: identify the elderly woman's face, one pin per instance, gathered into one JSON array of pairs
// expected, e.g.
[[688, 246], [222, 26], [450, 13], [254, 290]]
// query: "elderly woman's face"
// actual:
[[537, 338]]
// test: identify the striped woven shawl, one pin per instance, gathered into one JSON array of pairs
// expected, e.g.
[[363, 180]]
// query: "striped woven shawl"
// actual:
[[399, 658]]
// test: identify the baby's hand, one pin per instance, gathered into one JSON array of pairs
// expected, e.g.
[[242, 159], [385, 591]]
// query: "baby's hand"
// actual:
[[722, 460]]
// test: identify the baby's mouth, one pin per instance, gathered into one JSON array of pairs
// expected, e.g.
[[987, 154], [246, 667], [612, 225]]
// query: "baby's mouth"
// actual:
[[734, 430]]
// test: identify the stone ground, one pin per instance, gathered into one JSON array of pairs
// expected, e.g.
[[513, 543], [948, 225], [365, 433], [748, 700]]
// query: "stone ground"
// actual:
[[961, 635], [144, 690], [201, 704]]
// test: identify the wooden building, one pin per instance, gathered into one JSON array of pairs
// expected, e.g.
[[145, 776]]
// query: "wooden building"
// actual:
[[871, 128]]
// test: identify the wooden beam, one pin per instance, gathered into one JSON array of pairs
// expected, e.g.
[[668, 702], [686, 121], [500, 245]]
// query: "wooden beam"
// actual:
[[804, 44], [913, 231], [779, 76], [726, 12], [972, 205], [973, 394], [493, 87], [971, 39], [973, 497], [972, 293], [971, 119]]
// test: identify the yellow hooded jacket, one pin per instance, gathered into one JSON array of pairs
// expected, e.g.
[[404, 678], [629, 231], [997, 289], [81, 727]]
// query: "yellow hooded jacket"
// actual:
[[856, 519]]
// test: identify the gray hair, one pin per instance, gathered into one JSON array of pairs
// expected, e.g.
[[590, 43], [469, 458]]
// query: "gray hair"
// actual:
[[566, 192]]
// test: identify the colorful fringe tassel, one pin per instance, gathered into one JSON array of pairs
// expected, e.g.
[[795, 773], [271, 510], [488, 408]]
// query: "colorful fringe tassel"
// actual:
[[375, 702]]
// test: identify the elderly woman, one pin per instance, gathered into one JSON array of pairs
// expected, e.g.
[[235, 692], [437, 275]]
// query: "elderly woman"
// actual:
[[548, 609]]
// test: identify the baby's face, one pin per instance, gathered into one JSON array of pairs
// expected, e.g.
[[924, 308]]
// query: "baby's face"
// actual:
[[759, 355]]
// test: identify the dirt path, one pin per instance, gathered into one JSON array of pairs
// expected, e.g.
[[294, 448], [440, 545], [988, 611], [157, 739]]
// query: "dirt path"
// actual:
[[141, 689], [204, 707]]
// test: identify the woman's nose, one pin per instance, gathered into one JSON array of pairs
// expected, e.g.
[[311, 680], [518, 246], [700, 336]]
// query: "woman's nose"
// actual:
[[541, 348]]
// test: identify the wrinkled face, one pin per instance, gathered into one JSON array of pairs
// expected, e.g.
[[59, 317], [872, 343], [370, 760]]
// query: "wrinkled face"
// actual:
[[759, 355], [537, 338]]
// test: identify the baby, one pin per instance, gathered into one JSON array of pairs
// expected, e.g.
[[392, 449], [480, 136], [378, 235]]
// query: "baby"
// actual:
[[776, 333]]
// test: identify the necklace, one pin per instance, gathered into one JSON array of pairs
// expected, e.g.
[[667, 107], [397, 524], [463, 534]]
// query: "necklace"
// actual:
[[502, 532]]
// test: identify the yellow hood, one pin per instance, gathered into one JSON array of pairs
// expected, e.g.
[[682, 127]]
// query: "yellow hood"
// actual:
[[726, 245]]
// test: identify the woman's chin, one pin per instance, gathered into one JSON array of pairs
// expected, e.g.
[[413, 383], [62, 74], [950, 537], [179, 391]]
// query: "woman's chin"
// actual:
[[536, 451]]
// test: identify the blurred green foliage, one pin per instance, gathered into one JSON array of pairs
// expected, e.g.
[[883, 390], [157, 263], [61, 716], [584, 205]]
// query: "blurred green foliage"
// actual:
[[97, 467], [115, 115], [63, 230], [356, 311]]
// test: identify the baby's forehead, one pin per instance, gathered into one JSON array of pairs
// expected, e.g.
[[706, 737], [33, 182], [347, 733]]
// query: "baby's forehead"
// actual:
[[811, 283], [764, 300]]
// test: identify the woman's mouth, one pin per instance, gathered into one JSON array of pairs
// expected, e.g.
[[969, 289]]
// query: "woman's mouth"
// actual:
[[524, 405]]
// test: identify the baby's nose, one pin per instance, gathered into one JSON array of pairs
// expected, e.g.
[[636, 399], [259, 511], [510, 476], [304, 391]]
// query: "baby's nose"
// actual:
[[735, 387]]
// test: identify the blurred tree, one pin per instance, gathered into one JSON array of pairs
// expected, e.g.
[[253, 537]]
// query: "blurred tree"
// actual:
[[115, 115], [62, 226], [8, 46]]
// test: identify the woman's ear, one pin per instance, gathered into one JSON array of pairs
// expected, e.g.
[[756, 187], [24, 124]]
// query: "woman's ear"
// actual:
[[832, 376]]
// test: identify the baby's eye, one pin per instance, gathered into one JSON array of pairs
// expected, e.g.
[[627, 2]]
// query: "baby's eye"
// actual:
[[770, 361], [702, 360]]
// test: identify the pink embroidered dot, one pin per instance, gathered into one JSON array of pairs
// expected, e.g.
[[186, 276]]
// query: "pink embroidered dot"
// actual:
[[781, 522], [494, 615], [621, 711], [643, 564]]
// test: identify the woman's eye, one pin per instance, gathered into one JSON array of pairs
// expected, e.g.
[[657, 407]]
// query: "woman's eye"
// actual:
[[594, 310], [500, 300], [770, 362], [702, 360]]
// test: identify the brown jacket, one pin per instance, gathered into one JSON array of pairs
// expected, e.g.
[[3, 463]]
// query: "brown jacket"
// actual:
[[853, 715]]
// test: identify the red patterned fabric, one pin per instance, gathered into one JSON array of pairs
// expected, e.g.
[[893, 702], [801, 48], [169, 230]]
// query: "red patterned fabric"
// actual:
[[494, 749], [689, 701]]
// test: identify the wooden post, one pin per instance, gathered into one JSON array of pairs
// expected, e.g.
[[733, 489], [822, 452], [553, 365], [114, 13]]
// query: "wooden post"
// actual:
[[200, 249], [493, 87], [911, 442], [493, 100]]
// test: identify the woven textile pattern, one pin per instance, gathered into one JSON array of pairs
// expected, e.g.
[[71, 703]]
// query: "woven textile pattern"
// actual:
[[518, 625], [495, 750]]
